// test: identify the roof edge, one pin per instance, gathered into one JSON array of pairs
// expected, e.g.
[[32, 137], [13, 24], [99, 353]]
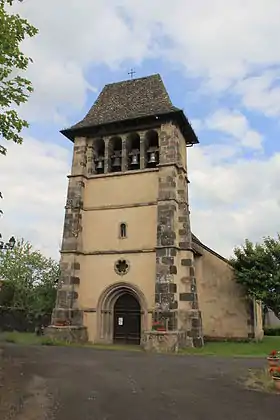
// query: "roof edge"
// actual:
[[184, 124], [197, 242]]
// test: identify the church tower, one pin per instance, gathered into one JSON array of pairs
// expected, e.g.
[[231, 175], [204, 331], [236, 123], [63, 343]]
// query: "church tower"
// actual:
[[126, 258]]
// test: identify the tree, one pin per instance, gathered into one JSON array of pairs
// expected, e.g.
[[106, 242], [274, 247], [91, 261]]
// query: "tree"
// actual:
[[14, 89], [257, 268], [29, 279]]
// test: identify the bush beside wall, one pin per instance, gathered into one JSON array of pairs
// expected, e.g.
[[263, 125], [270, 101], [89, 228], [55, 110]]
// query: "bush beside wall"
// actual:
[[272, 331], [16, 319]]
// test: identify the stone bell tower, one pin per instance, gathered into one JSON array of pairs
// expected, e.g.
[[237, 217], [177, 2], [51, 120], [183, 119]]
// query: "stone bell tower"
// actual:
[[127, 226]]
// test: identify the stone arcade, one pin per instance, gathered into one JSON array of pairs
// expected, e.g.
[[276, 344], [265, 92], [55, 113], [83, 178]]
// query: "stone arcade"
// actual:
[[128, 256]]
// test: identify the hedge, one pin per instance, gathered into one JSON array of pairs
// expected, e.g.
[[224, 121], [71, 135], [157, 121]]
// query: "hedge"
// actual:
[[272, 331]]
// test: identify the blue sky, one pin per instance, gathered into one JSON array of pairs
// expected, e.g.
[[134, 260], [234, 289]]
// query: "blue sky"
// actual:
[[219, 62]]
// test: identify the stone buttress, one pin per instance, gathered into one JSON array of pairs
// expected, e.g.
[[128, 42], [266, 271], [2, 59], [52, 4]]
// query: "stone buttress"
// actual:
[[67, 319], [176, 300]]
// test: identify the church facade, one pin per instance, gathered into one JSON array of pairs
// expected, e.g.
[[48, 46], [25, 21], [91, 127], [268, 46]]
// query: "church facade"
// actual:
[[129, 260]]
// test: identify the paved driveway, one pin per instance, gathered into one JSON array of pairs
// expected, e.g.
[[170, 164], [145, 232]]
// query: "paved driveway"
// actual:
[[87, 384]]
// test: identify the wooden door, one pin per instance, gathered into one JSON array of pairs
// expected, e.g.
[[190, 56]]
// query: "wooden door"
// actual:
[[127, 320]]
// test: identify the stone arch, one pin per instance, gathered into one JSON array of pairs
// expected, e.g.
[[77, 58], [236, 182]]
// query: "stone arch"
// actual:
[[99, 155], [133, 151], [105, 309], [152, 148], [152, 138], [115, 154]]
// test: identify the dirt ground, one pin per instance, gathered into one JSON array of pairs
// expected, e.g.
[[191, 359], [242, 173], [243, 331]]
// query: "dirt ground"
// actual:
[[57, 383]]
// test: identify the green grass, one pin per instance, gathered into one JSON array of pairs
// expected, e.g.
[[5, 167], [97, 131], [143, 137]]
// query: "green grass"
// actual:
[[20, 338], [225, 349], [250, 349], [31, 339]]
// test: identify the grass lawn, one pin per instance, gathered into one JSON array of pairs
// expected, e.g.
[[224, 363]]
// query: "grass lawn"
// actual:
[[229, 349], [20, 338], [31, 339]]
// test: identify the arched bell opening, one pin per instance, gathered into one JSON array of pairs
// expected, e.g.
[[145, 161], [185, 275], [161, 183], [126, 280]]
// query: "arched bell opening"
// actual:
[[115, 154], [133, 151], [99, 153], [151, 149]]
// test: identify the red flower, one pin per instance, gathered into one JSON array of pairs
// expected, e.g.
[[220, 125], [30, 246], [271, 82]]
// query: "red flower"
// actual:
[[273, 353]]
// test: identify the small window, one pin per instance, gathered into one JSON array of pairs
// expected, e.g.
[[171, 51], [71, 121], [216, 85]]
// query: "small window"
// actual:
[[123, 230]]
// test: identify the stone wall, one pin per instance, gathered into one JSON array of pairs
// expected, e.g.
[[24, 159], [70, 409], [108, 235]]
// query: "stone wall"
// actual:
[[175, 290], [165, 342], [227, 313], [67, 309]]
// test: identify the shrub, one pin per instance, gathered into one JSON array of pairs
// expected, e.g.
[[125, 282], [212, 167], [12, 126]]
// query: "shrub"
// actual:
[[272, 331], [10, 340]]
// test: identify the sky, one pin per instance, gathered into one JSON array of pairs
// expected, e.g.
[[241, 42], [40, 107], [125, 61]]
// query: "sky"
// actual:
[[220, 62]]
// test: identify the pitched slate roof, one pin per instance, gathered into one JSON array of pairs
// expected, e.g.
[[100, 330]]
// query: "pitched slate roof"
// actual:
[[128, 100]]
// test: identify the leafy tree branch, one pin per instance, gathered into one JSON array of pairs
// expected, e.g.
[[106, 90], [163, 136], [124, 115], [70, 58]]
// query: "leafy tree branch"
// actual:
[[29, 279], [257, 268]]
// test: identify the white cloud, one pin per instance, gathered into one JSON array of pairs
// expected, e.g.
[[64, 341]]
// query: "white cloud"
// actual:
[[220, 42], [72, 38], [234, 124], [231, 201], [261, 93], [34, 186], [217, 40]]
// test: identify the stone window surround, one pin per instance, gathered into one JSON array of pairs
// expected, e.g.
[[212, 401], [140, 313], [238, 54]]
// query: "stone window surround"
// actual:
[[123, 230], [126, 262], [124, 153]]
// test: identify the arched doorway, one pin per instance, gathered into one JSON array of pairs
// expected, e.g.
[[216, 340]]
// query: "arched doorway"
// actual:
[[106, 309], [127, 320]]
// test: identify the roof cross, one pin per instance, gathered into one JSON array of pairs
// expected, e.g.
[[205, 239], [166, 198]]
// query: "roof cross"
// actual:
[[131, 73]]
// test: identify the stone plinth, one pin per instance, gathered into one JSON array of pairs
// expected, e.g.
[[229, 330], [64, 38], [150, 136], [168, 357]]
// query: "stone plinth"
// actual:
[[69, 334], [165, 341]]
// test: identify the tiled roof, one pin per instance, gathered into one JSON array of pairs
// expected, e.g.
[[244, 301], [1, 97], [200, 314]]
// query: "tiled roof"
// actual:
[[128, 100]]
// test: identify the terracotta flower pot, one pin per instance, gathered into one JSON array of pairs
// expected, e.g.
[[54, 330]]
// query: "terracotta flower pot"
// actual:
[[276, 381], [273, 361]]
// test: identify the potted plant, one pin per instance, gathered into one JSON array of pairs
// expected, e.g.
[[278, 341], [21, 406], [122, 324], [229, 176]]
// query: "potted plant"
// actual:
[[158, 326], [275, 373], [62, 323], [273, 358]]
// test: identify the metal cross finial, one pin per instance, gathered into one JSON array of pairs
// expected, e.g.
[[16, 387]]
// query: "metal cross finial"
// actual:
[[131, 73]]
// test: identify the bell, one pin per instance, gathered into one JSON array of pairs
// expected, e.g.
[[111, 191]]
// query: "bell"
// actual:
[[116, 162], [152, 158], [99, 165], [134, 160]]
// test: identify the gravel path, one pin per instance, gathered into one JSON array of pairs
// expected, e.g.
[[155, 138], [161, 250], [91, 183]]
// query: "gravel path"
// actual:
[[58, 383]]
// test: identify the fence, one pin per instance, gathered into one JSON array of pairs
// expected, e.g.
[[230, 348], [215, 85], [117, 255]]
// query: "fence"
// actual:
[[16, 319]]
